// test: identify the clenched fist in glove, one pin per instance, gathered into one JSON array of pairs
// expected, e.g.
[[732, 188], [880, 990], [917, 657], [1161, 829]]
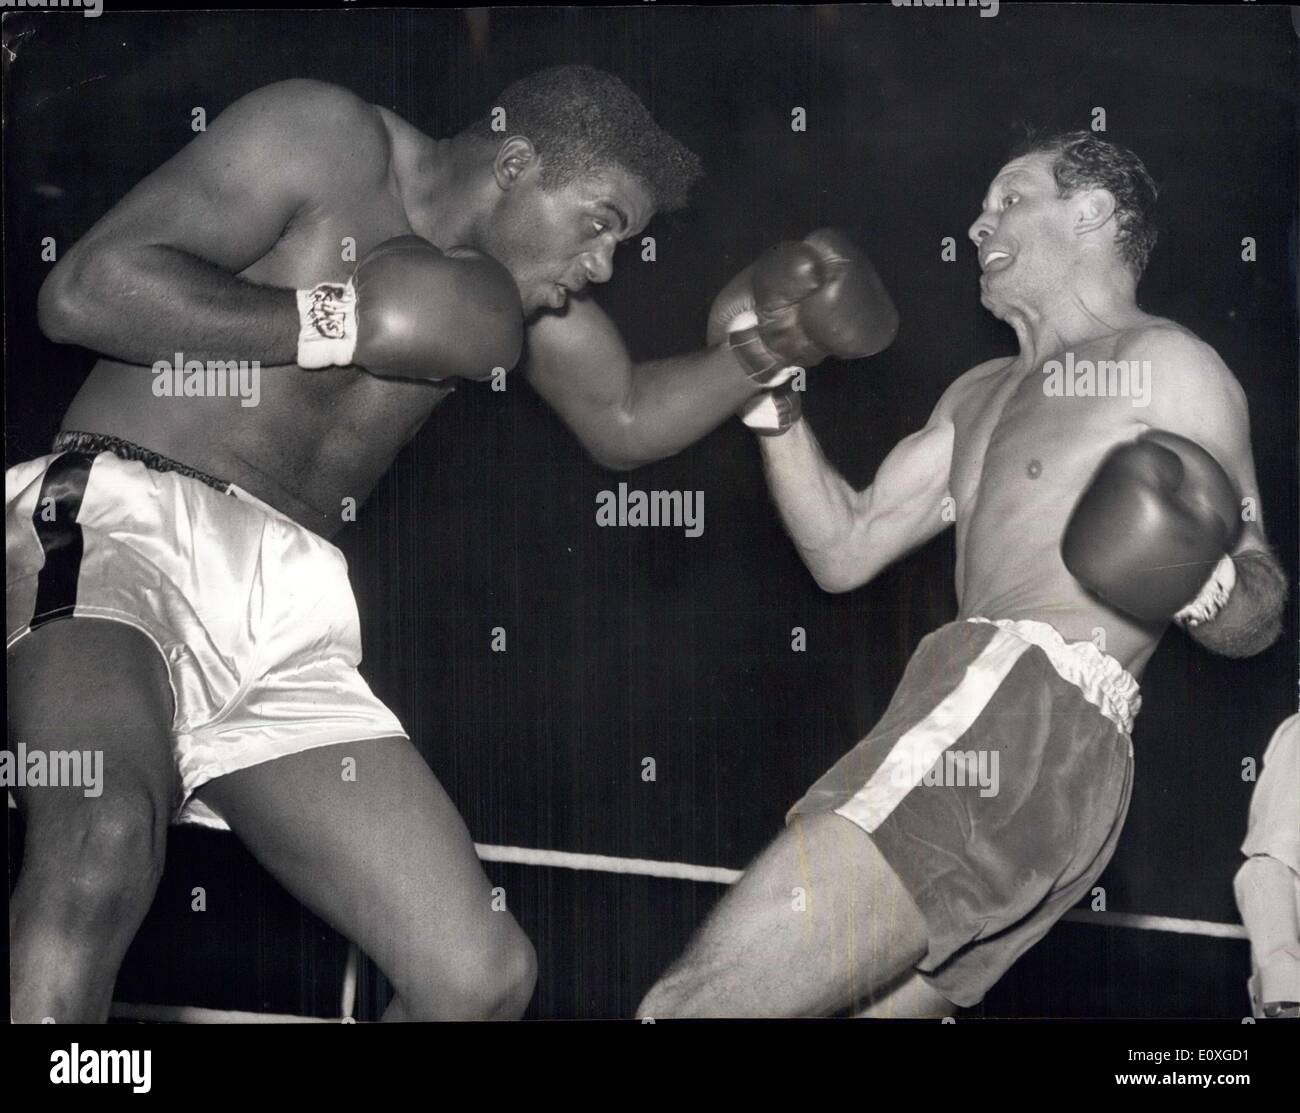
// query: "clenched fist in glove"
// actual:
[[413, 311], [1151, 533], [796, 305]]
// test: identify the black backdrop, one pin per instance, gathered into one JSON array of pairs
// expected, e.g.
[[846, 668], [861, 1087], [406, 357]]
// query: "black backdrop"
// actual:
[[626, 643]]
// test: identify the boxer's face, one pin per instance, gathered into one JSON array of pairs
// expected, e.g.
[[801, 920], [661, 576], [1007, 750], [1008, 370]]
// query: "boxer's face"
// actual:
[[556, 241], [1023, 233]]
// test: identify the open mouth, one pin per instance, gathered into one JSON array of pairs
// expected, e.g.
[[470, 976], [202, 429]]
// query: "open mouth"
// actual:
[[996, 261]]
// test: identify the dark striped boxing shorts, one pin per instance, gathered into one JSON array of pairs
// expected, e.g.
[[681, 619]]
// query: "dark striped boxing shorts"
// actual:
[[995, 786]]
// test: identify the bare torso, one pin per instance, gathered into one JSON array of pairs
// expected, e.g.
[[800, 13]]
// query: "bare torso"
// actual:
[[315, 438], [1020, 460]]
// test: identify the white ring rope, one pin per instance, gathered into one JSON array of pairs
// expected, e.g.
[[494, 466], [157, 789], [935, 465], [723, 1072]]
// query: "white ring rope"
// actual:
[[646, 867], [635, 867], [632, 867], [603, 863], [718, 875], [192, 1014], [1158, 923]]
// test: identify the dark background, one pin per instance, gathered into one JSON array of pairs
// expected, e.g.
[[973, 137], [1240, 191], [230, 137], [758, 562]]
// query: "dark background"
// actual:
[[634, 643]]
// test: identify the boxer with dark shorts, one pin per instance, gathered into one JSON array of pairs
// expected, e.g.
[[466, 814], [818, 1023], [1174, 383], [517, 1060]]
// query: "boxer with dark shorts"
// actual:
[[991, 863], [908, 879]]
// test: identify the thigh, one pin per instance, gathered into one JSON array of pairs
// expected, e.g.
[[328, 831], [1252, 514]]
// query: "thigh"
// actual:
[[384, 857], [817, 923], [100, 687]]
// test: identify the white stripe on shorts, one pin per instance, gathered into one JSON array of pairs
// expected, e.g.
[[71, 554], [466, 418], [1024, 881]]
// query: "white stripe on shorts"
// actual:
[[919, 748]]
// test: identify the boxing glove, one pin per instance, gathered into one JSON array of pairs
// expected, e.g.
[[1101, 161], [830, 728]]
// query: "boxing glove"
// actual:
[[413, 311], [1151, 532], [801, 302], [772, 412]]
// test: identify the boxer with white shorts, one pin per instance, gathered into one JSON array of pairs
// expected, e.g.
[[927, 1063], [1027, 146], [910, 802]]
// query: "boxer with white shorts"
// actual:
[[259, 633], [174, 601]]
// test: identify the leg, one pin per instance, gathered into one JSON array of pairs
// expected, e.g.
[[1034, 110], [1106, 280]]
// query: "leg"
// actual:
[[90, 865], [910, 999], [817, 923], [388, 861]]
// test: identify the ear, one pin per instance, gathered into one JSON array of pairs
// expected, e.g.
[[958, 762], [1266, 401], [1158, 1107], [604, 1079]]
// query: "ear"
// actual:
[[1092, 209], [513, 160]]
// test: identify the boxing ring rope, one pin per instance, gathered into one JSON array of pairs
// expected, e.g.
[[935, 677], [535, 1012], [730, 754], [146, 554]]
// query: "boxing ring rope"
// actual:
[[192, 1014], [604, 863], [682, 871]]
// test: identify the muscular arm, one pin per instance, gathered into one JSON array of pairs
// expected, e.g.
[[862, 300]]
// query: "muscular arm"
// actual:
[[156, 274], [1196, 396], [628, 414], [846, 537]]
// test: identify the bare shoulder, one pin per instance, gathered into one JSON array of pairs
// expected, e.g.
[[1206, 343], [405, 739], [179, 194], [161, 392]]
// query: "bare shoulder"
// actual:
[[1179, 351], [1192, 389], [303, 100], [968, 384], [314, 124]]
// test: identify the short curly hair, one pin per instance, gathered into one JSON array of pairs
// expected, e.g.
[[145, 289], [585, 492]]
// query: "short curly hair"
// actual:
[[1082, 161], [581, 120]]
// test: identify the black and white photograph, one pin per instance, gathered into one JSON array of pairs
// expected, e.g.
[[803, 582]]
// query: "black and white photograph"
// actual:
[[652, 514]]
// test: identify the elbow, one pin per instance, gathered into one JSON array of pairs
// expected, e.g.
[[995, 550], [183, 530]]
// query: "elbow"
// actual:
[[1252, 642], [613, 461], [56, 308], [618, 447], [1238, 639], [833, 585], [832, 579], [63, 300], [839, 567], [1253, 618]]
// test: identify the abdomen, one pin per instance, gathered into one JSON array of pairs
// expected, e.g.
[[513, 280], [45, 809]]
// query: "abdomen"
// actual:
[[310, 439]]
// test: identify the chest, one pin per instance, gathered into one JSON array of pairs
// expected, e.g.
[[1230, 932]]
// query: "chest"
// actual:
[[343, 402], [1040, 427], [325, 245]]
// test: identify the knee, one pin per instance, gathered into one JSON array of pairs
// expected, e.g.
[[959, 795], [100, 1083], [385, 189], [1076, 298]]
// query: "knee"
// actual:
[[515, 979], [497, 982], [98, 865], [652, 1005], [491, 980], [671, 996]]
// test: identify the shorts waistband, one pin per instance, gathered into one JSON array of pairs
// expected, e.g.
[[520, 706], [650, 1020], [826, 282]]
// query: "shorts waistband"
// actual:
[[1104, 682], [75, 440]]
